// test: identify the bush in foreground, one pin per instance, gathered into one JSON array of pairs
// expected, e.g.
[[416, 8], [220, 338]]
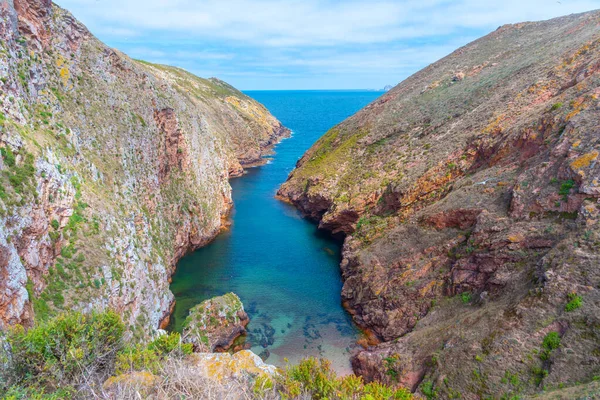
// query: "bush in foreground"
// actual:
[[74, 354], [315, 378], [70, 351]]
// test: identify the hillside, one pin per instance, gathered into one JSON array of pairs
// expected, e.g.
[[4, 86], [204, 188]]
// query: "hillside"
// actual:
[[468, 199], [111, 169]]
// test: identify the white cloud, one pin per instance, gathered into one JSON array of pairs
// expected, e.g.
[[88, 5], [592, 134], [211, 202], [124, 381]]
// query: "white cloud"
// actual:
[[313, 22], [148, 53], [376, 42]]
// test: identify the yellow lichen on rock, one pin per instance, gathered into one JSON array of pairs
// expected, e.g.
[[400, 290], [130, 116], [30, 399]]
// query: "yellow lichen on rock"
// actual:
[[516, 238], [64, 70], [584, 161], [221, 366]]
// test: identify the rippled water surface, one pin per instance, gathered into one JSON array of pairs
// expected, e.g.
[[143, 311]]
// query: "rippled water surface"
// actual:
[[285, 271]]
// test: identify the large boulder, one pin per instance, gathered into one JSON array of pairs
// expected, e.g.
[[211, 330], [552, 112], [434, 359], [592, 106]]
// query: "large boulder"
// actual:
[[214, 324]]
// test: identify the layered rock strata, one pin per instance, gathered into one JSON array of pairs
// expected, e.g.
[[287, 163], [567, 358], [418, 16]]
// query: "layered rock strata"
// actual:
[[111, 169], [468, 197]]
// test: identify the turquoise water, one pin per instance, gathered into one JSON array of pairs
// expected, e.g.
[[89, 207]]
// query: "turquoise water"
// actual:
[[285, 271]]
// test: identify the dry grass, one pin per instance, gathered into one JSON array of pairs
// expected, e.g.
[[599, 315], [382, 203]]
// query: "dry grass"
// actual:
[[178, 381]]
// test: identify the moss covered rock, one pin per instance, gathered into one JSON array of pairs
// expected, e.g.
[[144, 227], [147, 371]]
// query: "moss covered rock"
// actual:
[[214, 324]]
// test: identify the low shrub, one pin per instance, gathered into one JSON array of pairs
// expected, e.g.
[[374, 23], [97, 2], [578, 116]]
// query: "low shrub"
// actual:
[[466, 297], [551, 342], [150, 357], [565, 188], [575, 301], [73, 355], [315, 379], [70, 351]]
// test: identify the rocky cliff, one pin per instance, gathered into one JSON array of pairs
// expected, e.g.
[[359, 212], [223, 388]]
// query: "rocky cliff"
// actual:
[[111, 169], [468, 199]]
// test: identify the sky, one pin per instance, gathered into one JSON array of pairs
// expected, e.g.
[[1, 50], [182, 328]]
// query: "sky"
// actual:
[[304, 44]]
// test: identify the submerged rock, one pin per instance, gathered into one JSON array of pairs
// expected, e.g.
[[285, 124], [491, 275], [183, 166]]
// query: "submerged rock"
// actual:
[[214, 324], [265, 354]]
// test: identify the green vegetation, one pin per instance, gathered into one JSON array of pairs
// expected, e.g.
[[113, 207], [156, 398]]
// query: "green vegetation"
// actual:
[[18, 176], [73, 351], [575, 301], [149, 357], [370, 227], [62, 354], [73, 354], [556, 106], [550, 343], [316, 379], [513, 379], [428, 390], [565, 188], [391, 364], [466, 297], [8, 156]]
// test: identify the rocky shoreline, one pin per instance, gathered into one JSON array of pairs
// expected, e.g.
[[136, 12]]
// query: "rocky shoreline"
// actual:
[[112, 170], [468, 200]]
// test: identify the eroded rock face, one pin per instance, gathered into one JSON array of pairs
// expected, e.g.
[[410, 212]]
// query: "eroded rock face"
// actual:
[[111, 169], [468, 196], [172, 156], [33, 17], [214, 324]]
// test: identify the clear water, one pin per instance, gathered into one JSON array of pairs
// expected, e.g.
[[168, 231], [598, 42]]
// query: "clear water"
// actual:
[[285, 271]]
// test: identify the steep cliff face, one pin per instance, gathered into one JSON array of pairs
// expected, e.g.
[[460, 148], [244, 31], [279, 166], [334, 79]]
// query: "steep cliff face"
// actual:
[[468, 196], [111, 169]]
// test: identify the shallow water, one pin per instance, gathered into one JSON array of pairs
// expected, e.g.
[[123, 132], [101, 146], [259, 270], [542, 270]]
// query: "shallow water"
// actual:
[[285, 271]]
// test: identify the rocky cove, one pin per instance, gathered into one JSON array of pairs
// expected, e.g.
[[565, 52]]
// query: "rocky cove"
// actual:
[[467, 198], [285, 271]]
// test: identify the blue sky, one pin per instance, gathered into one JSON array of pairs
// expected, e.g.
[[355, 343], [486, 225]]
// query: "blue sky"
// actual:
[[304, 44]]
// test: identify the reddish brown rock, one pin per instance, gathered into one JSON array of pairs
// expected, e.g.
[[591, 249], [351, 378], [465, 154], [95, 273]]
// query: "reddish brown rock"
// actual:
[[33, 17], [459, 218], [174, 153], [476, 201]]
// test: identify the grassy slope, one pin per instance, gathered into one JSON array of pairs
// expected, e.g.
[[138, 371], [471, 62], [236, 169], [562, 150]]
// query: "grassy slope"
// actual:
[[468, 195]]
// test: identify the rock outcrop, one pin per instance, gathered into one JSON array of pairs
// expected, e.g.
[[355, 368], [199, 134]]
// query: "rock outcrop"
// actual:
[[111, 169], [469, 199], [216, 323], [224, 366]]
